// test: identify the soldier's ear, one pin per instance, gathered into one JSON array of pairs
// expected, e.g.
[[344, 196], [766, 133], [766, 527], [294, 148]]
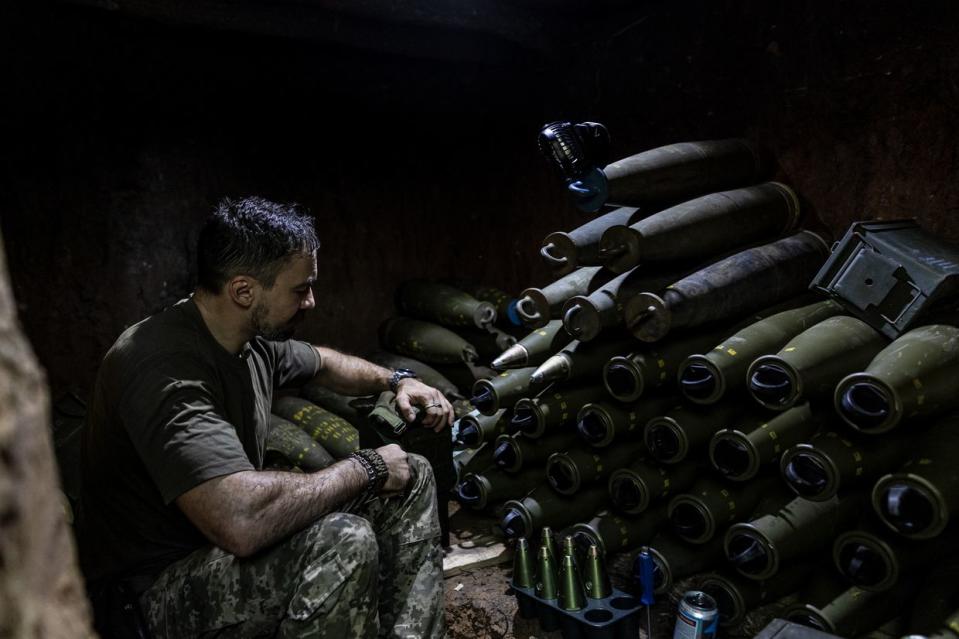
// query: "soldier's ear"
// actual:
[[240, 288]]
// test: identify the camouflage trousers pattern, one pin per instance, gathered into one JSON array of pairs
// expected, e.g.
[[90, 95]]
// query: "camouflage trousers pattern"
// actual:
[[375, 571]]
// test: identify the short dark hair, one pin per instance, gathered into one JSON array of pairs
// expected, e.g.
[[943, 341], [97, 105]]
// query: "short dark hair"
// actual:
[[251, 236]]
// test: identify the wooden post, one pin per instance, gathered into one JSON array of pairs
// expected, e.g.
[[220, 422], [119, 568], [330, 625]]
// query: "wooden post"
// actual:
[[41, 591]]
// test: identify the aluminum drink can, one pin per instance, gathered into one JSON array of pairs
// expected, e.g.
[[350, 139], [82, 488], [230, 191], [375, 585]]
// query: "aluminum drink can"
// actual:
[[697, 617]]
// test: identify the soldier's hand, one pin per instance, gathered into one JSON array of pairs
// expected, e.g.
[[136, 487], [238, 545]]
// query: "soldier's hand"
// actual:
[[399, 467], [437, 411]]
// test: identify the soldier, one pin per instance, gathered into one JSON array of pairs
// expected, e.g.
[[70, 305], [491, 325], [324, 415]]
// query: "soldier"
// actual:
[[176, 505]]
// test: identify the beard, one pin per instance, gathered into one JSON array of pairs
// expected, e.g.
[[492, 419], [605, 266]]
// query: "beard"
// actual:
[[274, 332]]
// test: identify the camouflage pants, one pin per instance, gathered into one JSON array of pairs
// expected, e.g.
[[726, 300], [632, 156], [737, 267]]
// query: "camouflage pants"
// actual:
[[373, 572]]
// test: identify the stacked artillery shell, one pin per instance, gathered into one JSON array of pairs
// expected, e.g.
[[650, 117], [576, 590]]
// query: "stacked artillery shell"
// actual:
[[731, 288], [759, 548], [426, 341], [427, 374], [352, 409], [813, 362], [652, 367], [674, 559], [915, 376], [736, 595], [489, 343], [536, 416], [565, 252], [919, 500], [847, 611], [739, 455], [568, 471], [876, 560], [818, 468], [706, 378], [702, 227], [537, 306], [515, 452], [503, 390], [475, 428], [534, 349], [443, 304], [670, 437], [700, 513], [502, 301], [600, 423], [294, 447], [545, 507], [613, 533], [632, 489], [581, 360], [479, 490], [679, 171], [332, 432], [586, 316]]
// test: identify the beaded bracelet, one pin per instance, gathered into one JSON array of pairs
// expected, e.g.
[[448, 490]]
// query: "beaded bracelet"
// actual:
[[376, 471]]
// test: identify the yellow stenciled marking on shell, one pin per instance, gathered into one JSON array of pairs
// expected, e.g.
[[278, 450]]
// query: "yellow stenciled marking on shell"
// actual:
[[789, 350], [925, 461], [562, 405], [661, 363], [917, 383], [773, 435], [857, 456], [731, 351], [506, 374], [543, 333]]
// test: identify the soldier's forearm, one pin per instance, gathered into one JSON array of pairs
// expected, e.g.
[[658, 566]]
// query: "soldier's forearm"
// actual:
[[350, 375], [248, 511]]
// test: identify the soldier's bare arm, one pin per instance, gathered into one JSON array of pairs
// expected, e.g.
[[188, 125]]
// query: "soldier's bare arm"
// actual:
[[355, 376], [350, 375], [247, 511]]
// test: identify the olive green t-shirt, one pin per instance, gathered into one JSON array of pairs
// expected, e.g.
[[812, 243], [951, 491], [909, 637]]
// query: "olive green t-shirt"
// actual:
[[172, 409]]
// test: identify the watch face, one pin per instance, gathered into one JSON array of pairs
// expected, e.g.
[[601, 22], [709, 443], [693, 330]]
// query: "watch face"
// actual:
[[398, 375]]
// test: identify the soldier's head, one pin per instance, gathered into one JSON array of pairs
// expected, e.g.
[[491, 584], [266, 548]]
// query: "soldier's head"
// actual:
[[260, 256]]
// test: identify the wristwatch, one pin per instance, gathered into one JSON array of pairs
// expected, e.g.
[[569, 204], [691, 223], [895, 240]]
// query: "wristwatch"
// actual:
[[399, 374]]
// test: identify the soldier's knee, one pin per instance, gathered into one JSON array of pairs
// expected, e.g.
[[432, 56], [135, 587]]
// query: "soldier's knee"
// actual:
[[351, 533], [421, 471]]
